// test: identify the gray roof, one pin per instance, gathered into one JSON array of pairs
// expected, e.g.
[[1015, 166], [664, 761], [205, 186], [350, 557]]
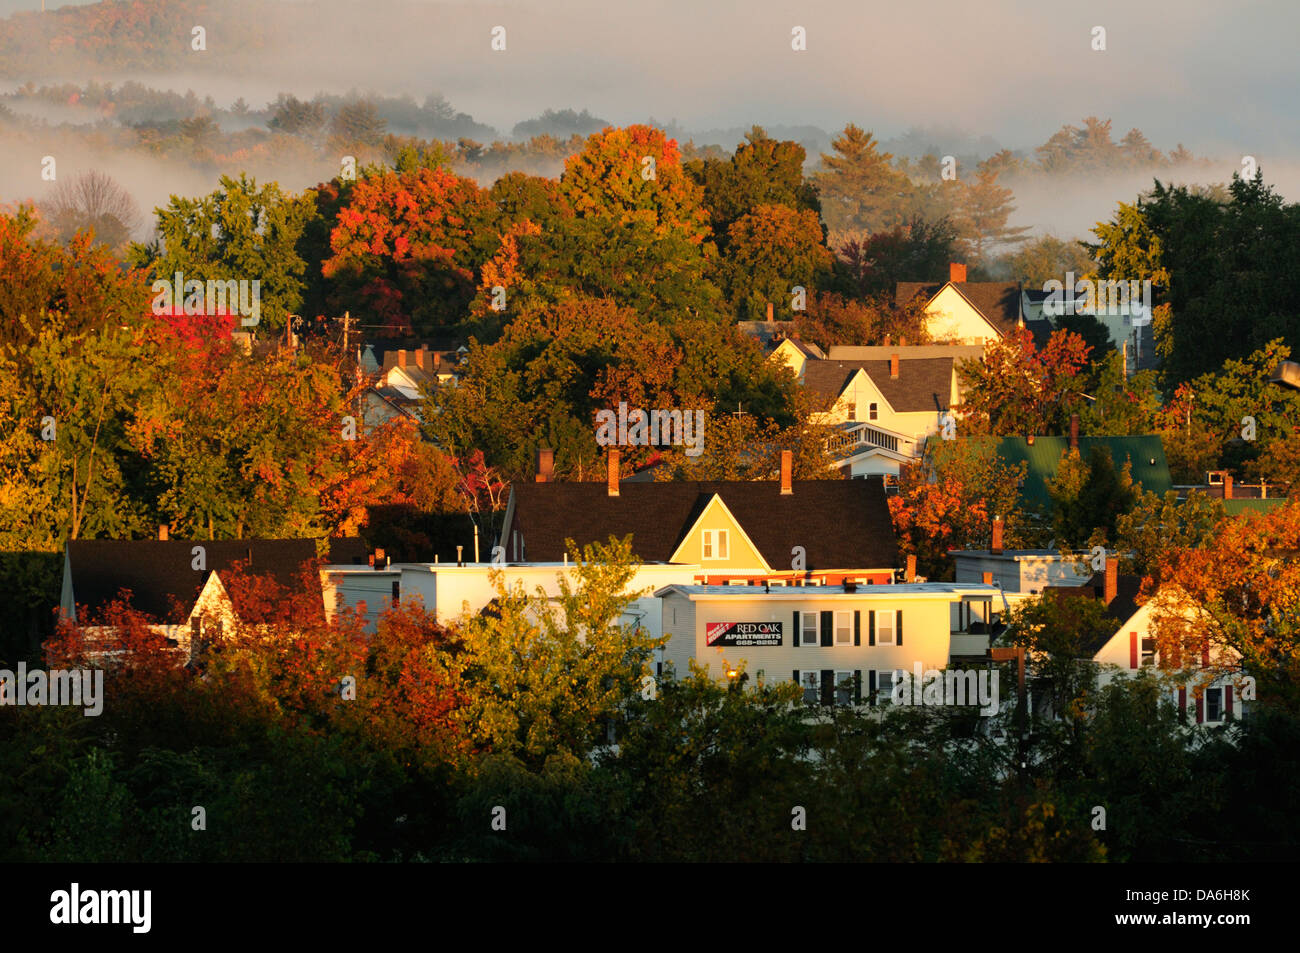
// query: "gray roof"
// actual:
[[842, 524], [998, 301], [923, 384]]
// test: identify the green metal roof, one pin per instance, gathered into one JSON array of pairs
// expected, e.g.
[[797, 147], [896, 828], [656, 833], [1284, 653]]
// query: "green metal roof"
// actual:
[[1236, 507], [1145, 453]]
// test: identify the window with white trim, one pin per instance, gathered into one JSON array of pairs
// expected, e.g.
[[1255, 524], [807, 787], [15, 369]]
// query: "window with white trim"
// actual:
[[1214, 704], [808, 623], [843, 628], [812, 688], [1148, 650], [884, 687], [715, 544], [885, 628], [844, 688], [873, 411]]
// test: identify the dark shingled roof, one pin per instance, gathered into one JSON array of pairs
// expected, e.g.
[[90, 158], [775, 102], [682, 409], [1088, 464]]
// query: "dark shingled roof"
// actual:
[[997, 301], [1119, 610], [155, 571], [842, 524], [922, 384]]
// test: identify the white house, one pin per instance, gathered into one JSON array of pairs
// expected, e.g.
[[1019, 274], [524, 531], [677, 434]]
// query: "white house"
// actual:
[[841, 643], [884, 405]]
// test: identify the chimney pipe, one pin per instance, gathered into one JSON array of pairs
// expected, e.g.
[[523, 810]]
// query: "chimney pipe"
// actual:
[[1074, 431], [459, 560], [996, 546], [1029, 440], [887, 340], [787, 472], [545, 464], [162, 532], [893, 366], [1227, 486], [956, 272], [612, 473], [1112, 578], [909, 574]]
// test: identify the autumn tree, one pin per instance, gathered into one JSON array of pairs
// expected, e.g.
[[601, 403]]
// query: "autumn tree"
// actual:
[[81, 283], [874, 263], [1019, 389], [638, 235], [771, 251], [1155, 527], [407, 246], [832, 320], [762, 172], [1230, 606], [949, 499]]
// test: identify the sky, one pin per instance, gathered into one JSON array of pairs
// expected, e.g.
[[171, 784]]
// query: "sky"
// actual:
[[1218, 77]]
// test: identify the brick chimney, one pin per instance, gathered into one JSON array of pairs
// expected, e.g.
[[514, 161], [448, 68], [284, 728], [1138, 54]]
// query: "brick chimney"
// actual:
[[887, 340], [902, 340], [1074, 431], [1112, 579], [612, 472], [956, 272], [401, 358], [909, 574], [987, 578], [419, 358], [996, 546], [893, 366], [787, 472], [162, 532], [545, 464], [770, 317], [1227, 486]]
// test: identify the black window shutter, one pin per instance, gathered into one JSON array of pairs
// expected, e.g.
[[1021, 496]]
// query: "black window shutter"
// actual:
[[828, 628], [871, 687], [898, 628], [828, 687], [857, 627], [857, 686], [795, 642], [796, 678], [871, 635]]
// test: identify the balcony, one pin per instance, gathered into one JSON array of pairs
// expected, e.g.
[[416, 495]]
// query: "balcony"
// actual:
[[857, 436]]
